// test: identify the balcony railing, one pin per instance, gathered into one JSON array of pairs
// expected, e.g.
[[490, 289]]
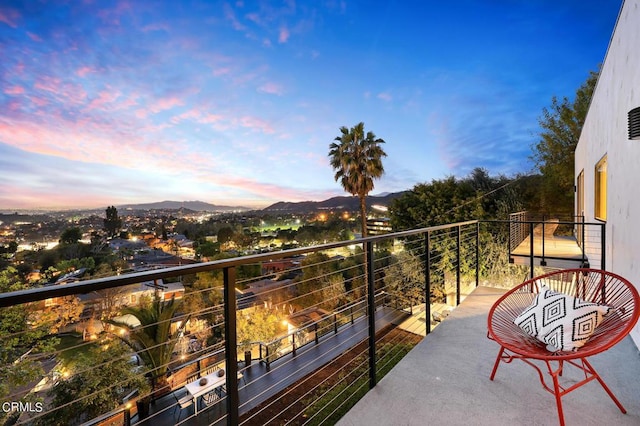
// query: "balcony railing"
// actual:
[[556, 243], [327, 305]]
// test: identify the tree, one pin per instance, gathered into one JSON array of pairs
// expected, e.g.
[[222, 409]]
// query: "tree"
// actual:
[[208, 249], [204, 298], [15, 369], [9, 249], [26, 332], [263, 324], [554, 153], [112, 223], [357, 160], [153, 340], [225, 235], [428, 204], [71, 236], [316, 269], [405, 280], [104, 377]]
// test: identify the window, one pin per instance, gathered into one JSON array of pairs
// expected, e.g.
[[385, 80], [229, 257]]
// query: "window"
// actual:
[[601, 189], [580, 194]]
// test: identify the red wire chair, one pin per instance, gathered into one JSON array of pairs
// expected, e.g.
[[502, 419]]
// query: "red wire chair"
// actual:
[[591, 285]]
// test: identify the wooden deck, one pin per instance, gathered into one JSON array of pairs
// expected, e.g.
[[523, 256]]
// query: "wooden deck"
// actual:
[[258, 384], [556, 250]]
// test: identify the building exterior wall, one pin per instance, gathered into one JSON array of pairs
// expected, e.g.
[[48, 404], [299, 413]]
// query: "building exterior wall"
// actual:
[[605, 132]]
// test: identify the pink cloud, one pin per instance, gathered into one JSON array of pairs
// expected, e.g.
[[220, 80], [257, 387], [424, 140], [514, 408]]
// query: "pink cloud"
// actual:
[[271, 88], [221, 71], [60, 90], [255, 123], [38, 101], [254, 17], [141, 113], [49, 84], [34, 37], [385, 96], [19, 69], [271, 191], [9, 17], [112, 16], [86, 140], [230, 15], [211, 118], [192, 114], [240, 79], [104, 97], [84, 70], [14, 90], [166, 103], [156, 26], [283, 36], [128, 102]]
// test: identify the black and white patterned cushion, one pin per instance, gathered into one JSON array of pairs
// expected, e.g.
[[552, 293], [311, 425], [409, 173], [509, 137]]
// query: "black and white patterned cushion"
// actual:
[[563, 322]]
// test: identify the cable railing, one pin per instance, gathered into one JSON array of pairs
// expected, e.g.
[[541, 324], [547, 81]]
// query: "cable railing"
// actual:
[[297, 350]]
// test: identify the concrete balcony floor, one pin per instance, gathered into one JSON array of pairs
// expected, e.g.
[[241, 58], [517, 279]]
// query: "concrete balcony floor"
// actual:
[[444, 380]]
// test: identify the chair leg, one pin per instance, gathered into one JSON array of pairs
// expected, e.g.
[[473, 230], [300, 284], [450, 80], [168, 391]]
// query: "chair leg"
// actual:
[[604, 386], [495, 366], [556, 393]]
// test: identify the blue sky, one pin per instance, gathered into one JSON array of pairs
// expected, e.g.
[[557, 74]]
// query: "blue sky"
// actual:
[[236, 102]]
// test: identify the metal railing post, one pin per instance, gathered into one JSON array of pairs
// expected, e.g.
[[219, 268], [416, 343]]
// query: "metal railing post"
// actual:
[[509, 248], [427, 280], [335, 323], [372, 314], [477, 254], [458, 266], [127, 416], [316, 332], [293, 344], [231, 345], [582, 242], [531, 263], [267, 361], [603, 245], [542, 261]]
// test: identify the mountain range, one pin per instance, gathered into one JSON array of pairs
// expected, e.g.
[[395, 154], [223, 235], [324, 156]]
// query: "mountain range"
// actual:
[[197, 206], [346, 203], [343, 202]]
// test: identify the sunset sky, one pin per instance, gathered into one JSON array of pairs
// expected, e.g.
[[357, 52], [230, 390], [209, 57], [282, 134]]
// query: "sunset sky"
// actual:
[[236, 102]]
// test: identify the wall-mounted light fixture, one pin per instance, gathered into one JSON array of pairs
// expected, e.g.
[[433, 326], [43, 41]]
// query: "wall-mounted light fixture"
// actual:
[[634, 124]]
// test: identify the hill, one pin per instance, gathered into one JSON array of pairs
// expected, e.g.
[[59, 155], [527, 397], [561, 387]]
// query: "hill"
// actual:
[[196, 206], [345, 202]]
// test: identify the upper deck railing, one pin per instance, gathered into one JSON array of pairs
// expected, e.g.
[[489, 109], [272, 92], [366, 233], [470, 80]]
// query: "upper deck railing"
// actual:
[[556, 242]]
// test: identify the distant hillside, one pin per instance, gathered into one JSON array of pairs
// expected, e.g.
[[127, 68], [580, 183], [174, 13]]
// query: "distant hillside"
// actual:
[[346, 203], [25, 218], [196, 206]]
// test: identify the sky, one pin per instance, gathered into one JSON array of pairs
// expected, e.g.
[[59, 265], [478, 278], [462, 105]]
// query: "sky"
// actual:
[[236, 102]]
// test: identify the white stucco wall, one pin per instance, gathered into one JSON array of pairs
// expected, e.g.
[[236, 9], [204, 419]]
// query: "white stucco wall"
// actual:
[[605, 132]]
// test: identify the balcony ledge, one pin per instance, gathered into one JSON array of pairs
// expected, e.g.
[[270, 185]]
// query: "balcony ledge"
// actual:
[[445, 380]]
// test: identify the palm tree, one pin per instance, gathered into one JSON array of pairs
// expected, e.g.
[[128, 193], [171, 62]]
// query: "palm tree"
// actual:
[[357, 160], [152, 340]]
